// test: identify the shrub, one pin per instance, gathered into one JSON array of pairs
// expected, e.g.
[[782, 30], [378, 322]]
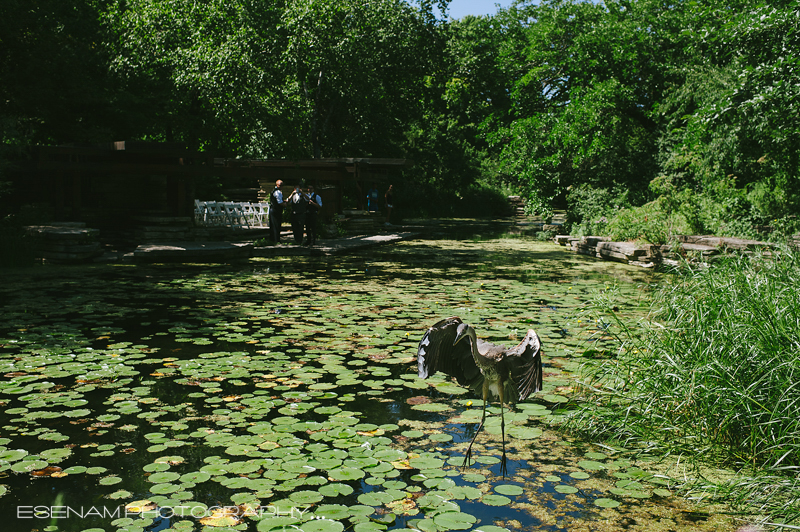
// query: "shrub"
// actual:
[[590, 209], [650, 223]]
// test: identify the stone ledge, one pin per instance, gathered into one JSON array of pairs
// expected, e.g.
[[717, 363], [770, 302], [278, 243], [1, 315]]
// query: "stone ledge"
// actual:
[[650, 256]]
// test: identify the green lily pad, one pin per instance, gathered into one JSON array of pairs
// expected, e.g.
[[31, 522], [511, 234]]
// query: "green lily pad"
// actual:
[[161, 489], [454, 520], [276, 524], [424, 462], [337, 512], [195, 477], [120, 494], [323, 525], [591, 465], [26, 466], [566, 489], [606, 503], [306, 497], [13, 455], [346, 473], [164, 477], [496, 500], [509, 489], [336, 489]]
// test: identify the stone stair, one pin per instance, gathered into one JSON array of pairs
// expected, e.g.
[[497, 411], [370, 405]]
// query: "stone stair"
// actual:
[[66, 241], [517, 205]]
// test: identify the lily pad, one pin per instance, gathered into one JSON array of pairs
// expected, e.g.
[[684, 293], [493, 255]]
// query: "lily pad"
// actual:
[[566, 489], [306, 497], [346, 473], [454, 520], [336, 489], [322, 525], [496, 500], [604, 502], [509, 489]]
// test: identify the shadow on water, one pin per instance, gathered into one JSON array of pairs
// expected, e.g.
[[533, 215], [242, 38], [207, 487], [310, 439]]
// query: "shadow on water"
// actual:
[[291, 384]]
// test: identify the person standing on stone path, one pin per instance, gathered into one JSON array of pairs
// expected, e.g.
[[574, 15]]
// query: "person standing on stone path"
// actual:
[[314, 205], [389, 196], [372, 198], [298, 202], [276, 212]]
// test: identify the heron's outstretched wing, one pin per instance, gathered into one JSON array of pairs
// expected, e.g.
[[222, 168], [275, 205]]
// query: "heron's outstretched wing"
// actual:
[[436, 352], [525, 365]]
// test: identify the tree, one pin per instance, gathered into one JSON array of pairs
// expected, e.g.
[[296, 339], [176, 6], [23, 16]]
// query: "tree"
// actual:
[[54, 86], [355, 72], [201, 72], [588, 78], [728, 118]]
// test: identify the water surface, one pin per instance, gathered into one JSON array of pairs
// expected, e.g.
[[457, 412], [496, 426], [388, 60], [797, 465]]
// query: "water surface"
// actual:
[[282, 394]]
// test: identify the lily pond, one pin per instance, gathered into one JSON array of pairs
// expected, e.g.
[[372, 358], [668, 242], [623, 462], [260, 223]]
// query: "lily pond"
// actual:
[[282, 394]]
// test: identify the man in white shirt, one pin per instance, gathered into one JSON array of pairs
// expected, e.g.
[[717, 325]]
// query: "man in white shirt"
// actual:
[[276, 212]]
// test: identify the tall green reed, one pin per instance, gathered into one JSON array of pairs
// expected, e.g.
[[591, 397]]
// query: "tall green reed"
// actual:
[[714, 370]]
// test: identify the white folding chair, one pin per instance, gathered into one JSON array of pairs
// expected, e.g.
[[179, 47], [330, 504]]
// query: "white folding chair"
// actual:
[[263, 211], [199, 212], [252, 214], [235, 215], [216, 213]]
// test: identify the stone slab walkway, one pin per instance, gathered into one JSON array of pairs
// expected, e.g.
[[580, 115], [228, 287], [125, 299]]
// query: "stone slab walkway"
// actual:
[[224, 251]]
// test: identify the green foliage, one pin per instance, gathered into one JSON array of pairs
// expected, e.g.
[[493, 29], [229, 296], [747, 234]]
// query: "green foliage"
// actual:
[[713, 371], [727, 116], [647, 223], [553, 99], [589, 209], [54, 86], [584, 87]]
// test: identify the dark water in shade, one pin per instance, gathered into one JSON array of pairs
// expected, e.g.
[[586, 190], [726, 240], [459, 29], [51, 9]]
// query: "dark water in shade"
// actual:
[[124, 365]]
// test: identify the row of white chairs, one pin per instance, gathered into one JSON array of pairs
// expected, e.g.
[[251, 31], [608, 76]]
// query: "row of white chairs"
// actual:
[[231, 213]]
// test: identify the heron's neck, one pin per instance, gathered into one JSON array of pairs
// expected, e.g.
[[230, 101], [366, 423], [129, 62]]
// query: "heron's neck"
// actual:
[[473, 342]]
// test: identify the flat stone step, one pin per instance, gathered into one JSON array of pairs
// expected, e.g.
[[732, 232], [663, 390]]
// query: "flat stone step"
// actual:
[[724, 242], [192, 251], [64, 231], [702, 249]]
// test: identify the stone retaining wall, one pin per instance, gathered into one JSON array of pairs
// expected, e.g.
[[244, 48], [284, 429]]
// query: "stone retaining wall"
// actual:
[[701, 247]]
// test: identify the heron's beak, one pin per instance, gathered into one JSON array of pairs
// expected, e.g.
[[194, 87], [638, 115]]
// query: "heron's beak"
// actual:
[[461, 333]]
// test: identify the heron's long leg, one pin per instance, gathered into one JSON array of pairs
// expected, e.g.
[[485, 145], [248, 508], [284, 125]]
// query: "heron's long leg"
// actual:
[[483, 418], [503, 469]]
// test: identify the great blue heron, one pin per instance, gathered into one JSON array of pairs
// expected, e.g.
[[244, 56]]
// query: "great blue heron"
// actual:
[[509, 374]]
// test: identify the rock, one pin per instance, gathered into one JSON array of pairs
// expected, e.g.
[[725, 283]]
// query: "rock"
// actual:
[[620, 251], [553, 228], [700, 249], [724, 242], [594, 240]]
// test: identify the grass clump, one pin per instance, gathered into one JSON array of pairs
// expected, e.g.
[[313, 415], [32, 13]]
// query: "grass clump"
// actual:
[[715, 373]]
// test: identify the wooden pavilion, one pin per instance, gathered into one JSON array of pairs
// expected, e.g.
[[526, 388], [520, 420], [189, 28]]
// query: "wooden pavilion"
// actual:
[[107, 185]]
